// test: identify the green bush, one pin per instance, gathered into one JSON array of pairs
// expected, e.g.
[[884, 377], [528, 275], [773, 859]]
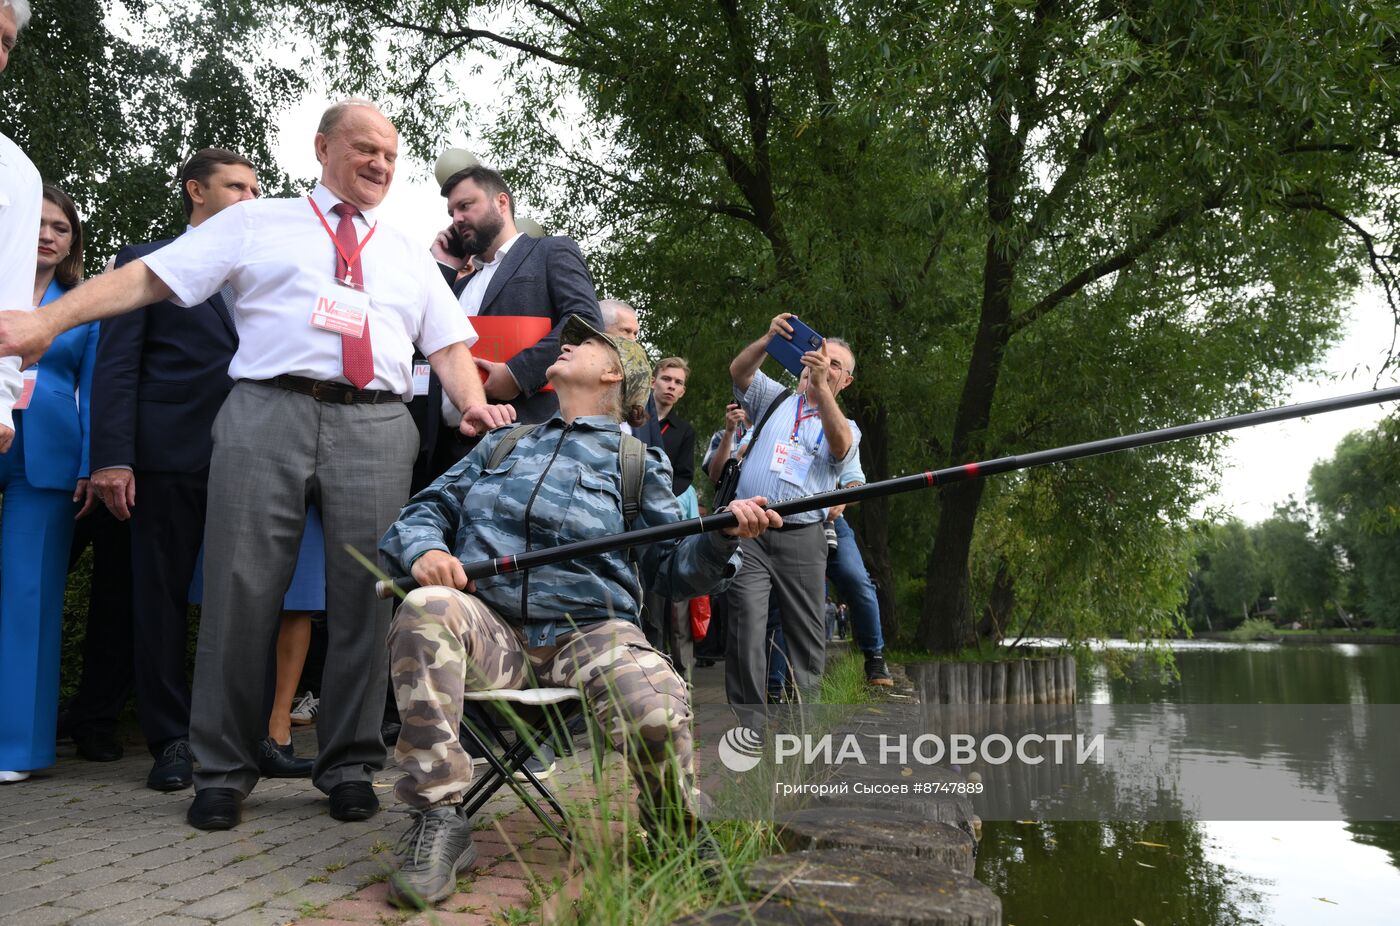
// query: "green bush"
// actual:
[[1256, 628]]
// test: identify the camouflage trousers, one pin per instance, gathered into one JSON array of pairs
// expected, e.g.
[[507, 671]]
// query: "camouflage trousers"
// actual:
[[444, 642]]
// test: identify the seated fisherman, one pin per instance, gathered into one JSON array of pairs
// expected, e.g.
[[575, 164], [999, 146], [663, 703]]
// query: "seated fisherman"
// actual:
[[572, 624]]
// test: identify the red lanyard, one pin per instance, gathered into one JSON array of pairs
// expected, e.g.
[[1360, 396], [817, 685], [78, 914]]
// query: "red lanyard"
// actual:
[[665, 427], [349, 259], [799, 418]]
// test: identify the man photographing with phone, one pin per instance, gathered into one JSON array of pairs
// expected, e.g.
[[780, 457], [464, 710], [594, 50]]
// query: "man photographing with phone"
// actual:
[[799, 446]]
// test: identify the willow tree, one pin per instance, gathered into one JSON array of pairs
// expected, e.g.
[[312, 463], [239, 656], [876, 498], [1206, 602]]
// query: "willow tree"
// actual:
[[1037, 222]]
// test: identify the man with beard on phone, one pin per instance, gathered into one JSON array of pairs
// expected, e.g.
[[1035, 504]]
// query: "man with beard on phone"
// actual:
[[522, 289]]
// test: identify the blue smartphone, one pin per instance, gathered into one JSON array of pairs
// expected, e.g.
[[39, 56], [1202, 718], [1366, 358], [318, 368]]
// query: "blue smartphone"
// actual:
[[789, 353]]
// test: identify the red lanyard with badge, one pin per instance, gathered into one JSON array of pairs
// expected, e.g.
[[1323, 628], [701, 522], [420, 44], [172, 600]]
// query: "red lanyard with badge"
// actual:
[[791, 460], [343, 308]]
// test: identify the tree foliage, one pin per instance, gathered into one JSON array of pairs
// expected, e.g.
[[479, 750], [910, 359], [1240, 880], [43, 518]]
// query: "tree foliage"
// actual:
[[1299, 564], [1358, 495], [1229, 573], [109, 97], [1038, 222]]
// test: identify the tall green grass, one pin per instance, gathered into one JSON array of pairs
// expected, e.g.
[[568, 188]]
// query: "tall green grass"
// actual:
[[649, 880]]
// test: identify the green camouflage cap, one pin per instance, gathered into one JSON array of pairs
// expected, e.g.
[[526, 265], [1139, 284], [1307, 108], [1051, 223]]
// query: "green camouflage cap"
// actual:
[[636, 368]]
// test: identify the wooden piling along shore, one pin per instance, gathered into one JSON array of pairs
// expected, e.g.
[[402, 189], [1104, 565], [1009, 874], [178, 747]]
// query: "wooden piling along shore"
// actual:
[[1044, 680]]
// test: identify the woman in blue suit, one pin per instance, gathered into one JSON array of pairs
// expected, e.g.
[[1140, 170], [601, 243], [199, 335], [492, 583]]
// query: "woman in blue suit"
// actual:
[[42, 476]]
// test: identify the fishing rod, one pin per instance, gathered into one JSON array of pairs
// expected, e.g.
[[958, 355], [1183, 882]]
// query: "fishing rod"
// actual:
[[720, 520]]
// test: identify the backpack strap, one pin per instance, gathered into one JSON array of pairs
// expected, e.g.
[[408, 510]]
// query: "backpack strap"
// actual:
[[507, 445], [632, 460]]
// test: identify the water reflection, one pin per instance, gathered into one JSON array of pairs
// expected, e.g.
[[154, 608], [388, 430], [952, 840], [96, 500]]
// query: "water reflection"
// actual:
[[1290, 873], [1090, 873]]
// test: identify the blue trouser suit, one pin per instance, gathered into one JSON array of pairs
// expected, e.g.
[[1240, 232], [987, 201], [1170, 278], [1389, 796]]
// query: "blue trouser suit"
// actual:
[[35, 532]]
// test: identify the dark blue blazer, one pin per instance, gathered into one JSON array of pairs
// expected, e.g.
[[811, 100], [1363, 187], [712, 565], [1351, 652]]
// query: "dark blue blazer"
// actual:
[[162, 375], [56, 422], [543, 277]]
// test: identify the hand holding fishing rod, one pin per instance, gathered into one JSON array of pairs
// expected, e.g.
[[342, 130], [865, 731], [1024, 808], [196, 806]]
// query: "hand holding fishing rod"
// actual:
[[728, 519], [747, 517]]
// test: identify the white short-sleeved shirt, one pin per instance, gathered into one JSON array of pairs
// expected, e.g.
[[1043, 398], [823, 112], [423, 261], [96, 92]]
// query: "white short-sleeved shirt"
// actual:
[[21, 204], [278, 258]]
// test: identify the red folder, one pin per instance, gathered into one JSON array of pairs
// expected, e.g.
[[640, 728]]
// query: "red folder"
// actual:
[[501, 337]]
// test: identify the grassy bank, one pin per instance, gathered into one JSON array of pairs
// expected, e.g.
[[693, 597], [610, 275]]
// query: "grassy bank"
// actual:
[[636, 881]]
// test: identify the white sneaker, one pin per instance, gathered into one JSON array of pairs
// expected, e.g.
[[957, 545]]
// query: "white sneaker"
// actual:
[[10, 778], [305, 709]]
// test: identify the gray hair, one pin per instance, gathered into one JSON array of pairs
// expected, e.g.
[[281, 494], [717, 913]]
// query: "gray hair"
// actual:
[[846, 344], [610, 308], [21, 8], [335, 113]]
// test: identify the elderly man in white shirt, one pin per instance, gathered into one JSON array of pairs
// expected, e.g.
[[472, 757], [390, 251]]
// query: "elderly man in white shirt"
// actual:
[[330, 305], [21, 201]]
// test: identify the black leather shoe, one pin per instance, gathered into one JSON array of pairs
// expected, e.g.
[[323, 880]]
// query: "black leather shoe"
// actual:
[[173, 768], [277, 761], [354, 800], [216, 809], [97, 744], [389, 733]]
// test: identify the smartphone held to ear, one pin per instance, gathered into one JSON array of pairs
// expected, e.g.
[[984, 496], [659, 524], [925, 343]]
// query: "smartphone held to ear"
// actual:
[[456, 244], [789, 352]]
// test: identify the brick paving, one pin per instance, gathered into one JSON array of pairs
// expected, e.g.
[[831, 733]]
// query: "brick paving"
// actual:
[[87, 843]]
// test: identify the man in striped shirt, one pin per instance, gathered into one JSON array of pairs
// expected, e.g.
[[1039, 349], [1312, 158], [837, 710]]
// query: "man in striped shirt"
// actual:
[[801, 448]]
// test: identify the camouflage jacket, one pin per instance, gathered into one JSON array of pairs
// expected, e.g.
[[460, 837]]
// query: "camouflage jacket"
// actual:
[[562, 483]]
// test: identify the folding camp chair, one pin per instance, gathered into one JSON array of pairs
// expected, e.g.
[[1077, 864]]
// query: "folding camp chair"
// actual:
[[552, 708]]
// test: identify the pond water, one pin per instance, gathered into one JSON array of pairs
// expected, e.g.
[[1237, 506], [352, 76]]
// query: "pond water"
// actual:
[[1211, 873]]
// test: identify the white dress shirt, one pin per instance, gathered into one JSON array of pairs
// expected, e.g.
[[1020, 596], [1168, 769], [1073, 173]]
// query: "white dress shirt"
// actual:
[[475, 290], [278, 258], [21, 204]]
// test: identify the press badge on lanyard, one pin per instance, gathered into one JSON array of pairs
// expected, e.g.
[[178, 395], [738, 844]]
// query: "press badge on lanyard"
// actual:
[[342, 306], [792, 461]]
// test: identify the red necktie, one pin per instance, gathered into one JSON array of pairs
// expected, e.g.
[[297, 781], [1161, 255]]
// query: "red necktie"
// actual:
[[356, 354]]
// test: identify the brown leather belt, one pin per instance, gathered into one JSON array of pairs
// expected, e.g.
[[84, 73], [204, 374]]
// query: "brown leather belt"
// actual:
[[326, 391]]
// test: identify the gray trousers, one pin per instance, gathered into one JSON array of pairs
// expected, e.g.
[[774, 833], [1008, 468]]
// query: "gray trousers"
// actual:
[[786, 569], [273, 451], [667, 627]]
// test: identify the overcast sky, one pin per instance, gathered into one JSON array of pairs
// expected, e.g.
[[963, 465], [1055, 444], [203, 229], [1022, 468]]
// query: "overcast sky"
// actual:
[[1271, 462]]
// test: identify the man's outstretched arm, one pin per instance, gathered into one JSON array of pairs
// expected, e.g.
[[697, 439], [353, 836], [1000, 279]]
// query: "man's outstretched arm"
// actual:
[[28, 334]]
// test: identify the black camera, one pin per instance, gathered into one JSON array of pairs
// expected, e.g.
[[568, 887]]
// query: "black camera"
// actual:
[[728, 483]]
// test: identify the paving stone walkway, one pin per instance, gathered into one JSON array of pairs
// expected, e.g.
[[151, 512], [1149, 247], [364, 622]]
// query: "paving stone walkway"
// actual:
[[87, 843]]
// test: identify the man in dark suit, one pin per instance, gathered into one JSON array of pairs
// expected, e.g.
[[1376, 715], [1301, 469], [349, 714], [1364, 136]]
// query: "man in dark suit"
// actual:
[[161, 377], [499, 273]]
